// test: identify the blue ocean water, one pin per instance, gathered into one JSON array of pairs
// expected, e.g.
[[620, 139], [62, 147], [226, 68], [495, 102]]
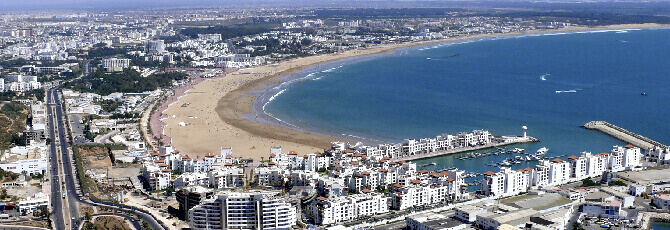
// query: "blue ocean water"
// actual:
[[499, 84], [660, 226]]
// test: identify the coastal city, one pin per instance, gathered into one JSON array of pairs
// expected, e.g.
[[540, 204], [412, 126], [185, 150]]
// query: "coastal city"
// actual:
[[155, 119]]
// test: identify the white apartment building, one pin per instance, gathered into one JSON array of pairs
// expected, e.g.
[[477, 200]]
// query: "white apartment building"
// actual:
[[20, 83], [156, 174], [661, 201], [33, 203], [115, 64], [230, 177], [505, 183], [658, 155], [556, 172], [419, 193], [344, 208], [31, 166], [626, 157], [244, 210], [153, 47], [191, 179], [238, 61]]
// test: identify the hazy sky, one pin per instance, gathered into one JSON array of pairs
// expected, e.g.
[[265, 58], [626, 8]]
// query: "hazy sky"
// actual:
[[18, 5]]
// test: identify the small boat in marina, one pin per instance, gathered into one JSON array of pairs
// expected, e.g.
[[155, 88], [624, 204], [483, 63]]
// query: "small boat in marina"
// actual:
[[542, 150]]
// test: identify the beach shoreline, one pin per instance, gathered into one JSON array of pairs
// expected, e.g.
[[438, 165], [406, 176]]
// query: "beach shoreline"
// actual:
[[233, 123]]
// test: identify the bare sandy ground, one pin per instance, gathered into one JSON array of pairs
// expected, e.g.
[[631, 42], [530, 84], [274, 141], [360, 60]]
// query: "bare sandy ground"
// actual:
[[216, 118]]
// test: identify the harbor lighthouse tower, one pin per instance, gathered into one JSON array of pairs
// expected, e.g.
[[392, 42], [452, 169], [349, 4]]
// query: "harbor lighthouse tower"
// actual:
[[524, 130]]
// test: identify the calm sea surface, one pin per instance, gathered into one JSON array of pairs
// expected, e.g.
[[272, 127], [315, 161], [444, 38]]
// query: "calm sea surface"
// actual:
[[660, 226], [498, 84]]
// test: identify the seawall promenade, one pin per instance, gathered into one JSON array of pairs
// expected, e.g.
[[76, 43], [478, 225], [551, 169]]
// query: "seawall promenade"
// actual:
[[623, 134]]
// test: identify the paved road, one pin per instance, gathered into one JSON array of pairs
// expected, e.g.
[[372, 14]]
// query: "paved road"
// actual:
[[133, 222], [70, 178], [58, 133], [56, 197]]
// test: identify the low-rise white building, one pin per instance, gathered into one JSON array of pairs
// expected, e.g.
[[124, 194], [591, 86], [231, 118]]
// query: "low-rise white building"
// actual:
[[344, 208]]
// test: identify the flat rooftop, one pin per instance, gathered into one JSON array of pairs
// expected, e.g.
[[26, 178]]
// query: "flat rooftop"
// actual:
[[537, 202], [646, 176]]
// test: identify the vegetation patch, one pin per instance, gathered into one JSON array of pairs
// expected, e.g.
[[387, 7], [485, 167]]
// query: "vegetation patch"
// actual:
[[13, 120], [128, 81], [107, 222]]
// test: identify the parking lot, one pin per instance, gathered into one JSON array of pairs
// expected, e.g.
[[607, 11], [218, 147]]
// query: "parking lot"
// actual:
[[606, 223]]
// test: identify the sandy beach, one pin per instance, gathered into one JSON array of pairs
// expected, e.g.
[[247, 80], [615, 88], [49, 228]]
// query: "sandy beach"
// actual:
[[217, 111]]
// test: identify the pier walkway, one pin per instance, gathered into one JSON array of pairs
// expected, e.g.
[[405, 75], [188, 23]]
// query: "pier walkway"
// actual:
[[623, 134], [528, 139]]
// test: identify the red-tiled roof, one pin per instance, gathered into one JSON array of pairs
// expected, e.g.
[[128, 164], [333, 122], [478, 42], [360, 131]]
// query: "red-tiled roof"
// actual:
[[383, 170], [292, 153], [273, 155], [209, 155], [557, 160], [354, 162], [490, 173], [573, 157], [397, 185], [529, 169], [423, 171], [366, 190], [162, 155], [358, 155], [337, 165], [628, 146], [416, 182], [162, 165], [365, 173], [321, 198], [176, 151], [348, 151], [450, 179], [228, 164], [272, 163], [154, 154], [160, 161], [167, 170]]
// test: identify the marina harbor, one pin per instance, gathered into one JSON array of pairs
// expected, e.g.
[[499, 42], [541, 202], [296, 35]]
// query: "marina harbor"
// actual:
[[484, 143]]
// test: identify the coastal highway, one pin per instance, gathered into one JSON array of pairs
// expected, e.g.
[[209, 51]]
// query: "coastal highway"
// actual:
[[58, 133]]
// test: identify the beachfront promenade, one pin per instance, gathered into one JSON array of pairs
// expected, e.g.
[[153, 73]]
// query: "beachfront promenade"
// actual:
[[498, 143], [623, 134]]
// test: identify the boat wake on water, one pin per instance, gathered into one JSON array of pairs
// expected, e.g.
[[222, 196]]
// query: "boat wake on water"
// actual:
[[566, 91], [544, 76]]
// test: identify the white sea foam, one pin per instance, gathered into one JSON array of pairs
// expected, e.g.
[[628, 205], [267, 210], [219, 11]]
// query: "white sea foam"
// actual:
[[277, 94], [566, 91], [331, 69]]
